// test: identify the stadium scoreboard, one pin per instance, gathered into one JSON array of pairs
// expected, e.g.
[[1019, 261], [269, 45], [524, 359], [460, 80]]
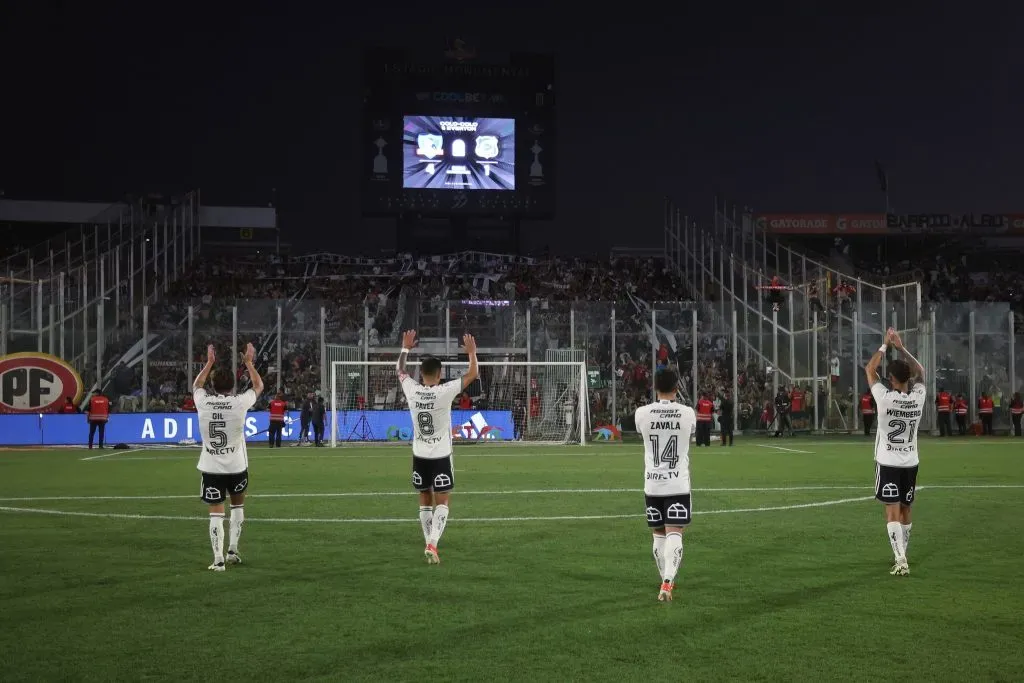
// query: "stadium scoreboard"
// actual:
[[445, 134]]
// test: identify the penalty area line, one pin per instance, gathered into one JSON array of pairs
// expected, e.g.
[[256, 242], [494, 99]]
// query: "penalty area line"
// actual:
[[113, 452], [780, 448]]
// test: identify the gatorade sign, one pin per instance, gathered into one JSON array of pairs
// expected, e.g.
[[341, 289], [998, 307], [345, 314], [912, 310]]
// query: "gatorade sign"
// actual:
[[36, 383]]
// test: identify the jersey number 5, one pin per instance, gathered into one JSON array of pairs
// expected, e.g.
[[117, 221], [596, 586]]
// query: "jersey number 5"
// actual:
[[668, 455], [218, 437]]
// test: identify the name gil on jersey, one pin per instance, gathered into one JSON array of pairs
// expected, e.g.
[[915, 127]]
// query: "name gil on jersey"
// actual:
[[666, 425], [662, 476]]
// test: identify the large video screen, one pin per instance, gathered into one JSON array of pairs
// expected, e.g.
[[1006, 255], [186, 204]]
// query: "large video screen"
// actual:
[[459, 153]]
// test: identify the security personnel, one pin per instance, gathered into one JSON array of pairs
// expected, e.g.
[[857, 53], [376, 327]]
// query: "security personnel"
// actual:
[[277, 409], [796, 398], [705, 408], [98, 413], [318, 417], [782, 406], [985, 408], [867, 411], [726, 417], [944, 406], [1016, 411], [960, 407], [69, 407]]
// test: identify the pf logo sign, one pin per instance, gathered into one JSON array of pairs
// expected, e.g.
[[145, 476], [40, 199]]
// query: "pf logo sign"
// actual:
[[36, 383]]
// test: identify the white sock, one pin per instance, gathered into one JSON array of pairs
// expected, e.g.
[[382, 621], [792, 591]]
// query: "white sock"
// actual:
[[426, 516], [659, 554], [235, 527], [906, 536], [217, 536], [673, 556], [895, 533], [437, 524]]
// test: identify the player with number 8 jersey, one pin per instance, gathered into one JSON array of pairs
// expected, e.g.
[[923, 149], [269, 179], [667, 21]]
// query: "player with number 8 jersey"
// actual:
[[430, 405], [666, 427]]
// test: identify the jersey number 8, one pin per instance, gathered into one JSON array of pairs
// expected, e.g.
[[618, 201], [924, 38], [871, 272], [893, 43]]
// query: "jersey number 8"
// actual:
[[425, 422], [669, 455]]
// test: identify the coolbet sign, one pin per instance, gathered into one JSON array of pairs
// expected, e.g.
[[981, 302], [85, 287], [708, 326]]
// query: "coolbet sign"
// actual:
[[36, 383]]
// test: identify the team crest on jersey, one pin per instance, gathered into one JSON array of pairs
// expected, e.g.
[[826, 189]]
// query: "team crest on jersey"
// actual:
[[677, 511]]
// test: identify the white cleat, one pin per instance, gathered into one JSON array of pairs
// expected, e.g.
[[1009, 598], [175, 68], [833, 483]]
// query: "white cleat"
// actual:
[[901, 568], [234, 557], [665, 594], [217, 567], [430, 552]]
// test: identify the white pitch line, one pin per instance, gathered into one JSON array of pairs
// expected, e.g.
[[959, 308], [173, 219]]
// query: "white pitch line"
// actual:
[[112, 452], [383, 494], [780, 448], [405, 520]]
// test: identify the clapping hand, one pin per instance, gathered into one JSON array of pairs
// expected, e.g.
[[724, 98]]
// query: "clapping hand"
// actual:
[[469, 343], [250, 353], [409, 339], [211, 355]]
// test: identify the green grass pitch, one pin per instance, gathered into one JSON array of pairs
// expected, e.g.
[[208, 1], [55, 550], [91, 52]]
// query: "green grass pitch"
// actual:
[[546, 570]]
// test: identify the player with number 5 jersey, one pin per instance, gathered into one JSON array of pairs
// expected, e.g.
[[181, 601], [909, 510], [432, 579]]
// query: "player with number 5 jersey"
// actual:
[[224, 461], [900, 408], [430, 404], [666, 427]]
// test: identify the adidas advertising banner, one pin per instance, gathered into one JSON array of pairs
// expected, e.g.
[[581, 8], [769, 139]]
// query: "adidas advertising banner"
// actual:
[[174, 428]]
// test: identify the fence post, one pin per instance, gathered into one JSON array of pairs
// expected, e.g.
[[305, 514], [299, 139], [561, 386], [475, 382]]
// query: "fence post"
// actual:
[[973, 377], [323, 355], [572, 326], [815, 397], [1013, 360], [190, 350], [735, 369], [145, 358], [61, 293], [654, 352], [38, 314], [234, 344], [693, 346], [857, 353], [99, 340], [614, 376], [278, 359], [792, 342], [529, 368], [53, 328]]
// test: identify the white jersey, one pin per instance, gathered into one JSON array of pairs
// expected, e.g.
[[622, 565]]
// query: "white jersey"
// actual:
[[222, 429], [666, 428], [899, 417], [431, 410]]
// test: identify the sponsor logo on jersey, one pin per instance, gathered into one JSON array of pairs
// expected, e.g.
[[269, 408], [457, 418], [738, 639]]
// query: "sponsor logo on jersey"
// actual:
[[36, 383]]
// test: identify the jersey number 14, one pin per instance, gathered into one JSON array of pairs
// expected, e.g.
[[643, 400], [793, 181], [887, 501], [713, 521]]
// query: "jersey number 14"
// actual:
[[669, 454]]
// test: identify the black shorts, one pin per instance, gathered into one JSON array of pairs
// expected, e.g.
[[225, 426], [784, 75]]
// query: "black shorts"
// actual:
[[665, 511], [433, 474], [895, 484], [216, 487]]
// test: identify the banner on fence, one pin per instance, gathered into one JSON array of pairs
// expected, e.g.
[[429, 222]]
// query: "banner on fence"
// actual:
[[182, 428]]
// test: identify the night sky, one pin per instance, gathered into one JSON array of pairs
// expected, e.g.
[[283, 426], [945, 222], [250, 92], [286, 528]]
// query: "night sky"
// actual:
[[775, 112]]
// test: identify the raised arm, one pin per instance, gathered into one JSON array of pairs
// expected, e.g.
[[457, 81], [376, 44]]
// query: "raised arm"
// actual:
[[254, 375], [916, 369], [469, 343], [204, 374], [871, 369], [408, 342]]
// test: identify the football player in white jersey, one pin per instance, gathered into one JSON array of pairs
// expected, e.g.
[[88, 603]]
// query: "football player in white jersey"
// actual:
[[900, 408], [224, 462], [430, 404], [666, 427]]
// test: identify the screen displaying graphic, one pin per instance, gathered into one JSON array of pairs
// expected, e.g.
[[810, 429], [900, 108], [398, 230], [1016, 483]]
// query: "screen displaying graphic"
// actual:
[[459, 153]]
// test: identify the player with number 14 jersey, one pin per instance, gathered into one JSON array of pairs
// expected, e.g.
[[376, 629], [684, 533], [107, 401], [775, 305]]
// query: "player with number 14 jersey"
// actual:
[[666, 427]]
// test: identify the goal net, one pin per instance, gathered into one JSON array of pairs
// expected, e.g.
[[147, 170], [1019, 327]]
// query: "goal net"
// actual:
[[532, 402]]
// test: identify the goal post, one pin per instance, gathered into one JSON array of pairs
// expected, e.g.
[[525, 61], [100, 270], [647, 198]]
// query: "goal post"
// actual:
[[510, 402]]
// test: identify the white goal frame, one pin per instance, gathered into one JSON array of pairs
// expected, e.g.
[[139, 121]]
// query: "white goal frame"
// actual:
[[584, 397]]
